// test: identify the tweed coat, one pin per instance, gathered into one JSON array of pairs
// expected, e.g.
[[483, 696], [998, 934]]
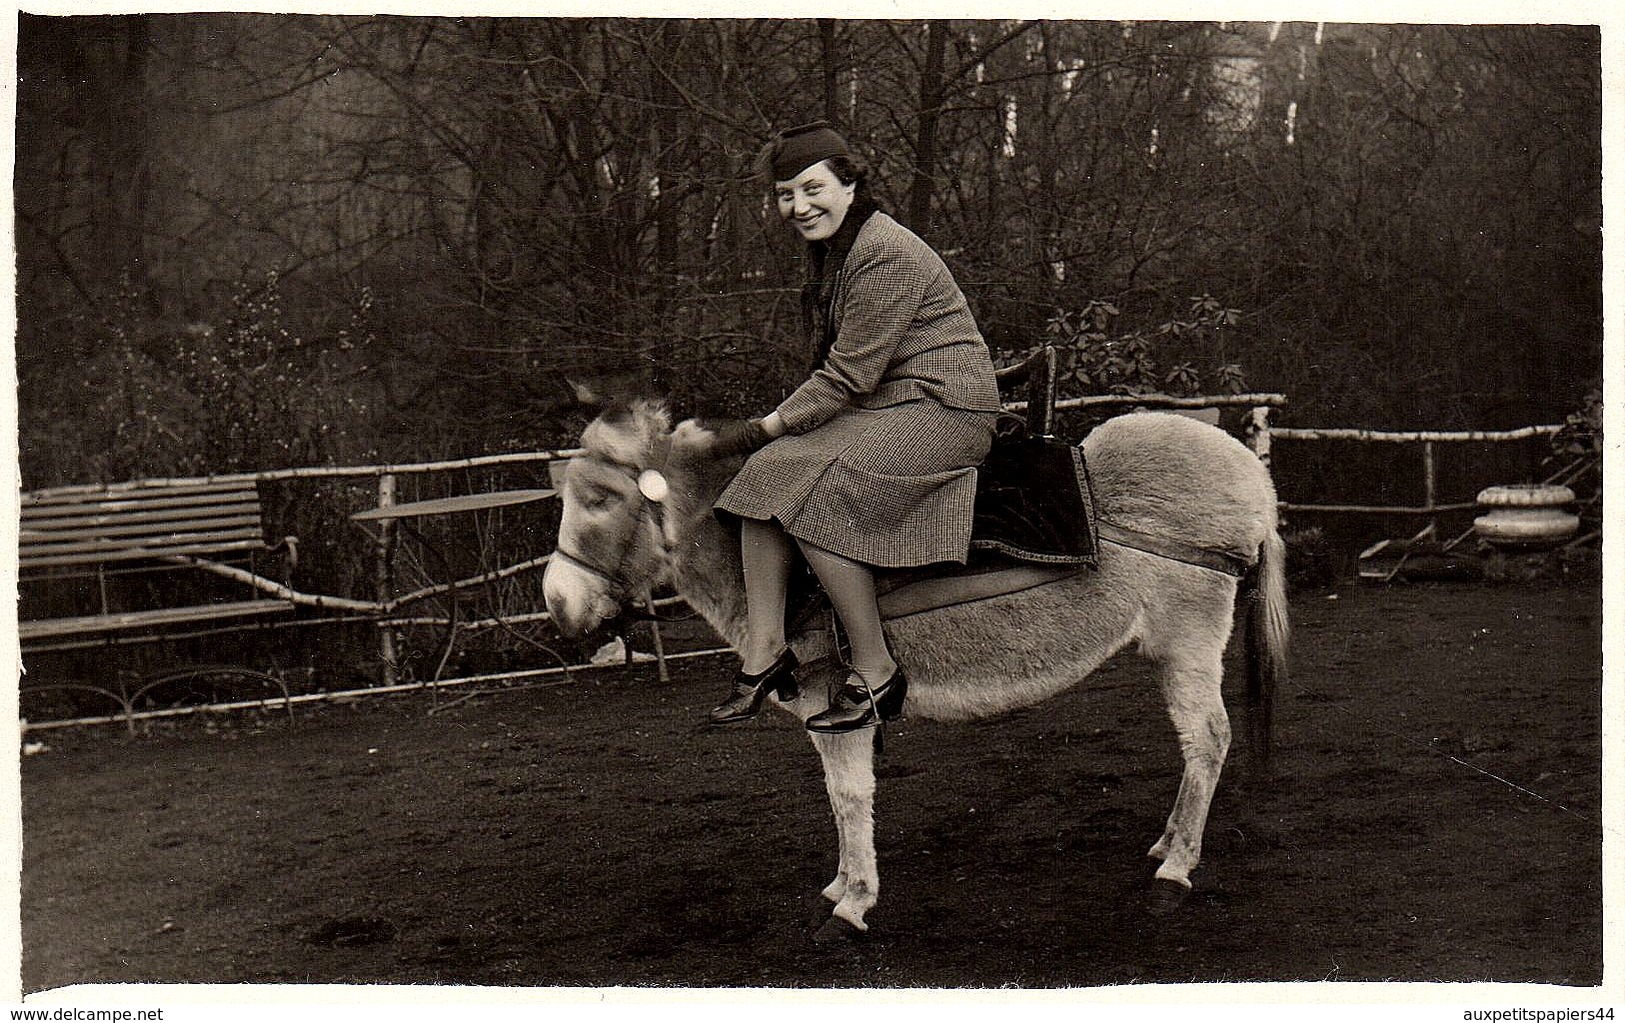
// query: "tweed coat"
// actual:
[[878, 461]]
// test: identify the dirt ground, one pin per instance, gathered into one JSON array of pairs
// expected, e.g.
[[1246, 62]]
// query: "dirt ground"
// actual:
[[1432, 814]]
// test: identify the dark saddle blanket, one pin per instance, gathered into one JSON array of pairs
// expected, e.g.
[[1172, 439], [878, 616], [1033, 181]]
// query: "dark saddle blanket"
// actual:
[[1034, 503]]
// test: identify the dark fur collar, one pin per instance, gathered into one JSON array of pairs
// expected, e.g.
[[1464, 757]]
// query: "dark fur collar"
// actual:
[[818, 294], [829, 255]]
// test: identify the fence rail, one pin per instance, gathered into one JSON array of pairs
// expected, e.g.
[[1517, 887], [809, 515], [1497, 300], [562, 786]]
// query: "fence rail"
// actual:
[[1414, 436], [314, 472]]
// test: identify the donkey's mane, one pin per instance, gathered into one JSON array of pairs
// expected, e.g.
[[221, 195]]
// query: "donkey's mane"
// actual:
[[626, 430]]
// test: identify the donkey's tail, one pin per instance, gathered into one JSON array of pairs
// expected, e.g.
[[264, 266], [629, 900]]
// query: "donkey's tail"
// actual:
[[1268, 634]]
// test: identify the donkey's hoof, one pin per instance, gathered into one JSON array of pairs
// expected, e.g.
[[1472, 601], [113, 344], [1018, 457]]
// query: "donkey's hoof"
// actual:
[[839, 931], [1166, 897]]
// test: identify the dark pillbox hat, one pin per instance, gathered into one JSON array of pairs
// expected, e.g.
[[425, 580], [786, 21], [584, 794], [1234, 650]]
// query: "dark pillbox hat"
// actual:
[[793, 150]]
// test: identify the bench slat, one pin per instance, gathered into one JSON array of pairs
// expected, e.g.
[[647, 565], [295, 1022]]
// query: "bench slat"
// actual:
[[118, 538], [123, 507], [53, 627], [159, 542], [190, 521], [158, 491], [137, 553]]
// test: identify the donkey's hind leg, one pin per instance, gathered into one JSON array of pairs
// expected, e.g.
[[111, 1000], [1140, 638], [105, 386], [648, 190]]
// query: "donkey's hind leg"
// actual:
[[1190, 679], [849, 775]]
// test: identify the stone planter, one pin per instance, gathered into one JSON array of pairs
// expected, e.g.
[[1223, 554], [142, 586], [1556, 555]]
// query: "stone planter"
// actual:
[[1526, 516]]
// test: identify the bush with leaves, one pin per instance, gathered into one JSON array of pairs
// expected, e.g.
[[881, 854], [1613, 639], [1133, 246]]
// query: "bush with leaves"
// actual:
[[269, 395], [1099, 356], [249, 392]]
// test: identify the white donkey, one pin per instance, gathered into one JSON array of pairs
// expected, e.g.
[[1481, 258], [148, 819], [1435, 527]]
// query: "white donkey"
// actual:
[[637, 511]]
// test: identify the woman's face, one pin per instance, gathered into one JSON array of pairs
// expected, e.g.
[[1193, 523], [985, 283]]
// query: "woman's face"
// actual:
[[814, 201]]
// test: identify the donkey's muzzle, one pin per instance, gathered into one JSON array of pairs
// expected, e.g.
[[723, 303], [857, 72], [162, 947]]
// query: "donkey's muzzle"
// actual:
[[576, 600]]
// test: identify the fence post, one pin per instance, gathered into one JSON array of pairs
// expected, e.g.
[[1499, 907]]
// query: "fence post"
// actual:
[[385, 578], [1430, 486], [654, 635], [1258, 433]]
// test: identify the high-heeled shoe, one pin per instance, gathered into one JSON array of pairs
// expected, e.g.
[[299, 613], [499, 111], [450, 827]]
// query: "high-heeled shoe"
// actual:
[[857, 705], [750, 690]]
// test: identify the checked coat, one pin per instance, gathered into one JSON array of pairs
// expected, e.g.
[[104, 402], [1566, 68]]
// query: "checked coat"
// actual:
[[878, 462]]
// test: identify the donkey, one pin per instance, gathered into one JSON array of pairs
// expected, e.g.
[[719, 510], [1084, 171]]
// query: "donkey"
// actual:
[[637, 512]]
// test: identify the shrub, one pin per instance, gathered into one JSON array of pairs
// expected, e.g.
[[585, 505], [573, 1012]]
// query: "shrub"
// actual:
[[1098, 356]]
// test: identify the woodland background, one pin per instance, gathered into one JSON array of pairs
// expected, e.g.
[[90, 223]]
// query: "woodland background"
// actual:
[[252, 241]]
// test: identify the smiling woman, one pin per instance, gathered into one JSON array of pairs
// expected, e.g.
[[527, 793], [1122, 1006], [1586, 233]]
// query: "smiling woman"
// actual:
[[816, 200], [870, 462]]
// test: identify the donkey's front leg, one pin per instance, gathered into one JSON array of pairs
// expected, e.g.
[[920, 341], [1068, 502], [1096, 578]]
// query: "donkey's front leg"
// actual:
[[849, 775]]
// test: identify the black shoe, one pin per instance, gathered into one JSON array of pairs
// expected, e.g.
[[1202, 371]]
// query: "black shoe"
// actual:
[[858, 706], [750, 690]]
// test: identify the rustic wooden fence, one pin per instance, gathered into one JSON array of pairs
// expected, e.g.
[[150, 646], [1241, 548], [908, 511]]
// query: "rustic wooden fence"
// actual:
[[1430, 506]]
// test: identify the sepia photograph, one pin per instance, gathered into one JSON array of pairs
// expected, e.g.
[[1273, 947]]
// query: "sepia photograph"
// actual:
[[810, 504]]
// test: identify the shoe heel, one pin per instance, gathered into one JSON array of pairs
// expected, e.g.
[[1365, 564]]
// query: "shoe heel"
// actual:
[[750, 691], [890, 704], [786, 688]]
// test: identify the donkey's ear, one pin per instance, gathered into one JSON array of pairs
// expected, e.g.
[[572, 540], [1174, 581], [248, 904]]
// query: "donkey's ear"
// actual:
[[588, 393], [603, 390], [556, 471]]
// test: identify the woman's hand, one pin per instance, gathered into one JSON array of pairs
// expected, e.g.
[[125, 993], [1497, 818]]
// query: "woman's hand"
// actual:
[[739, 437]]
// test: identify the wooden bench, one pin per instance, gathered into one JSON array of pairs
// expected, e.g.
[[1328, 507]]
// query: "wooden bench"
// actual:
[[146, 526]]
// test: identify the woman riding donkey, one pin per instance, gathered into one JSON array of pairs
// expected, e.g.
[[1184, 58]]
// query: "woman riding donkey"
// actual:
[[870, 462]]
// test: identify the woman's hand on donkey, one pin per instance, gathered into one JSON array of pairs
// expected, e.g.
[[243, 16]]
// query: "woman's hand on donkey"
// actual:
[[738, 437]]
